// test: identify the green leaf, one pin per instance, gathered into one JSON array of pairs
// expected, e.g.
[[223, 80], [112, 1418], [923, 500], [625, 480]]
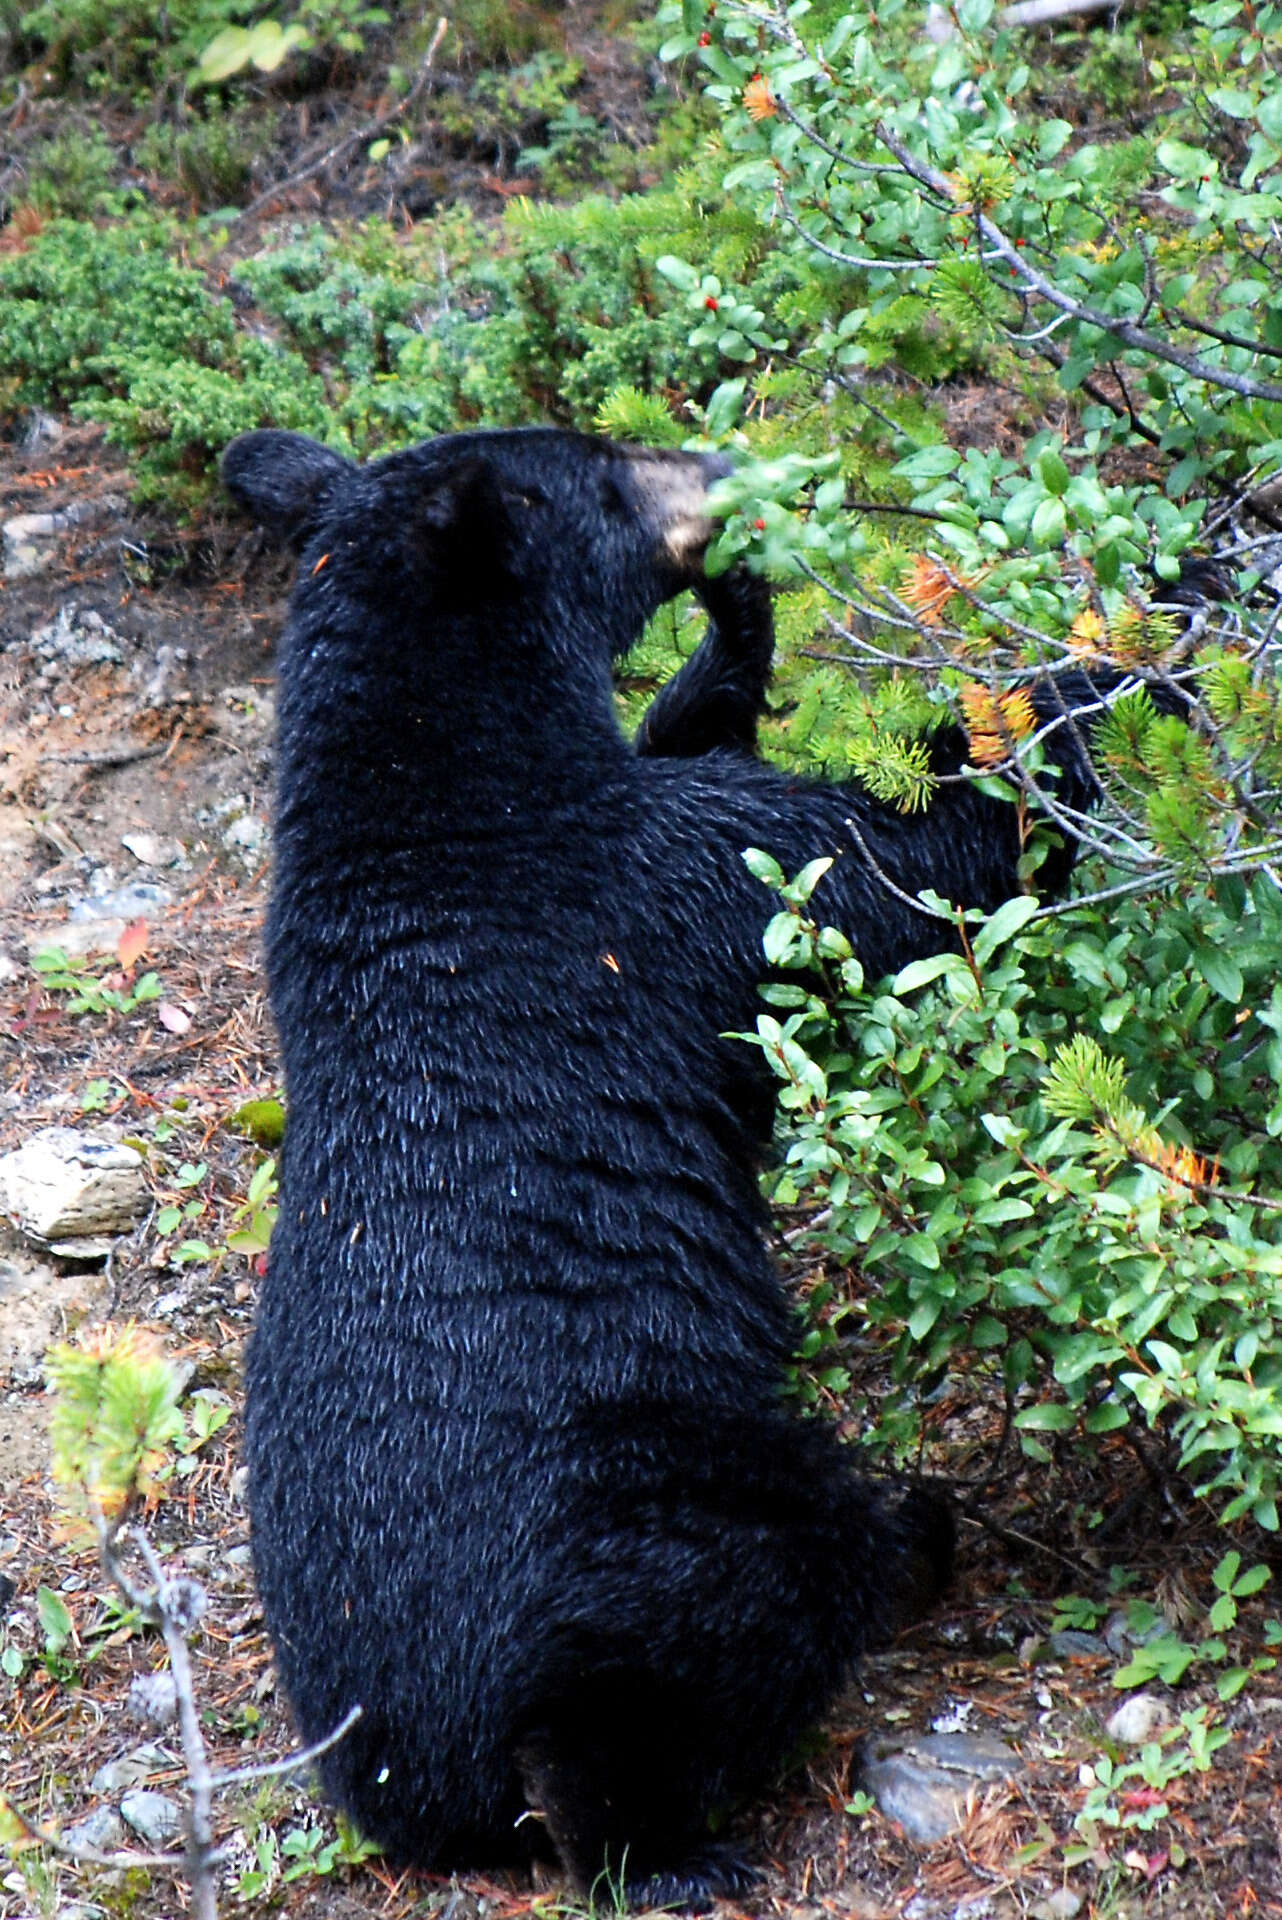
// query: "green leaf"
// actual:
[[1055, 475], [54, 1618], [1109, 1417], [808, 879], [679, 272], [920, 973], [1049, 524], [1252, 1580], [763, 867], [1220, 971], [928, 463], [226, 54], [1047, 1419], [1235, 101], [1009, 919]]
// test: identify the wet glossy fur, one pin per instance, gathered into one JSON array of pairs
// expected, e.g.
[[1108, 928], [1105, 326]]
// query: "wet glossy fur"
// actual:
[[522, 1482]]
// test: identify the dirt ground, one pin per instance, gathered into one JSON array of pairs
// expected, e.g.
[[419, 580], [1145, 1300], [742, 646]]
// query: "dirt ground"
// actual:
[[166, 744]]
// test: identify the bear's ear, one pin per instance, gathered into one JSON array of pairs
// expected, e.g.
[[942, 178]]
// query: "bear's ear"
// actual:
[[463, 522], [280, 478], [464, 497]]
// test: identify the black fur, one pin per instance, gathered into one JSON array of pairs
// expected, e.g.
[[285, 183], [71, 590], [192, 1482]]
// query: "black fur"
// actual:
[[521, 1481]]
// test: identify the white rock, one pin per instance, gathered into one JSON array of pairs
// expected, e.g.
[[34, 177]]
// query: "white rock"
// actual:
[[65, 1188], [153, 850], [77, 938], [153, 1816], [1062, 1904], [1138, 1719], [246, 836], [28, 544]]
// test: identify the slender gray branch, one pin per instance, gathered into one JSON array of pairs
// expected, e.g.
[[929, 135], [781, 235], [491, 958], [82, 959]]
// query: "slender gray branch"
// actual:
[[1123, 330]]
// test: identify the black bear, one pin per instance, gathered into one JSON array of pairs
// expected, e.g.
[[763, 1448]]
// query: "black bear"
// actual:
[[522, 1484]]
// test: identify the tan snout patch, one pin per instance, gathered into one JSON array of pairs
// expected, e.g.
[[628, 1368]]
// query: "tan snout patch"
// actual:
[[673, 492]]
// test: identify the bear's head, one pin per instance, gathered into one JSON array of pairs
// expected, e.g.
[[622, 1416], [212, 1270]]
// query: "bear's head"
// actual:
[[558, 527]]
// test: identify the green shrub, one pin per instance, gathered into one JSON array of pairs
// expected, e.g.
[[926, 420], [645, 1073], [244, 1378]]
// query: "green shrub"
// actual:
[[80, 296], [932, 218], [1052, 1161], [70, 173], [209, 156], [136, 45]]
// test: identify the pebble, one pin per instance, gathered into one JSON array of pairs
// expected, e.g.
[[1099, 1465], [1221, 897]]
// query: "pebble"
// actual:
[[153, 850], [922, 1780], [154, 1817], [78, 939], [133, 902], [1138, 1719], [1062, 1904], [102, 1829], [247, 836], [131, 1769], [1073, 1644]]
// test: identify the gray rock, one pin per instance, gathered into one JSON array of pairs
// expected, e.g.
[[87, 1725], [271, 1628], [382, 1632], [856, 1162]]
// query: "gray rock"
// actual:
[[132, 1768], [77, 939], [154, 1817], [922, 1780], [153, 1700], [105, 902], [102, 1830], [64, 1188], [1073, 1644], [40, 431], [72, 638], [1138, 1719], [1062, 1904]]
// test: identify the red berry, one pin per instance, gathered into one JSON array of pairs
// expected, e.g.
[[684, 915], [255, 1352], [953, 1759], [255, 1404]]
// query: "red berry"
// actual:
[[705, 39], [711, 304], [760, 525]]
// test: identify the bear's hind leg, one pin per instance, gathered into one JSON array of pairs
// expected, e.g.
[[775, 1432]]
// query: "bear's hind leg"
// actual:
[[652, 1860]]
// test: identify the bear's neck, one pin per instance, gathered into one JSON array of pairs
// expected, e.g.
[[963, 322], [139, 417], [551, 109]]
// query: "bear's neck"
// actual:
[[428, 736]]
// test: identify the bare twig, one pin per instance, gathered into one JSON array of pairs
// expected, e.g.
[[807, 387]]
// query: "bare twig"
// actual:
[[271, 1769], [87, 1856], [109, 757], [175, 1605]]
